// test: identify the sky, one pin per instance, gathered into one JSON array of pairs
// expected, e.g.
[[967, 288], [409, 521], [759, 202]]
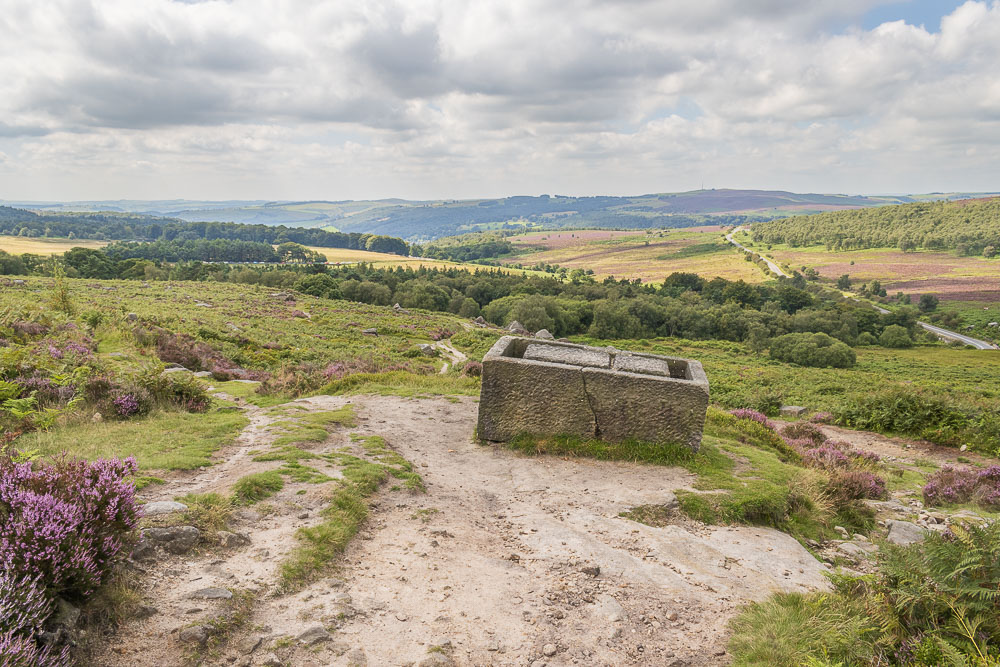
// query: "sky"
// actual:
[[428, 99]]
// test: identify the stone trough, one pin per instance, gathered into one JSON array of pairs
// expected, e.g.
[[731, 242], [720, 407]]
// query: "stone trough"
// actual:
[[551, 388]]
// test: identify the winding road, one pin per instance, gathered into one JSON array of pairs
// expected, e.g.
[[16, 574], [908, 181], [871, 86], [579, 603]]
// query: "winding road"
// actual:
[[936, 330]]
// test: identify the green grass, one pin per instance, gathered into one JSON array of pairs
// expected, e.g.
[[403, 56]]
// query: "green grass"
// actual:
[[319, 545], [161, 441], [253, 488], [403, 383], [248, 392]]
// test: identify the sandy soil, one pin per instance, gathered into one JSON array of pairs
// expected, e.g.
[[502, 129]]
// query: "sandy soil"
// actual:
[[505, 560]]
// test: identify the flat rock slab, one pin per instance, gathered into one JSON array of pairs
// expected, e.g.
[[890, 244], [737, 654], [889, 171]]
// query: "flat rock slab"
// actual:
[[904, 532], [632, 363], [793, 410], [211, 594]]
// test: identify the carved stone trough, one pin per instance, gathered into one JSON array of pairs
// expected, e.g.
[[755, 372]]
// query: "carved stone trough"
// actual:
[[551, 388]]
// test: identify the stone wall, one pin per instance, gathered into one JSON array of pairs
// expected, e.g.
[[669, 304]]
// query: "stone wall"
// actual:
[[549, 388]]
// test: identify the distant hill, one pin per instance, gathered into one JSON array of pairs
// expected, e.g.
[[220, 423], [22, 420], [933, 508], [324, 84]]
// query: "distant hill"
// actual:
[[970, 226], [426, 220]]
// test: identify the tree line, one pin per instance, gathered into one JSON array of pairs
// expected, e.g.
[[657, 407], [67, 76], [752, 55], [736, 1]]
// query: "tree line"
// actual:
[[136, 227], [970, 227]]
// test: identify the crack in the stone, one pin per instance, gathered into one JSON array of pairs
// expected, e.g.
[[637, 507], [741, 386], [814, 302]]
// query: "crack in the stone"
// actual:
[[590, 402]]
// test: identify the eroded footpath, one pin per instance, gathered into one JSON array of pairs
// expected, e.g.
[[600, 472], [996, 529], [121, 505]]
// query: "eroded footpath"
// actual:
[[504, 560]]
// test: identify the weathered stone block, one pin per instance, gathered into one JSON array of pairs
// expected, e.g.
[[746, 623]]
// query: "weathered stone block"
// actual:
[[550, 388]]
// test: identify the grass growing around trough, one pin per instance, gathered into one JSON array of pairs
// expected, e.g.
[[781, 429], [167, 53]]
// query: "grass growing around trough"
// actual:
[[319, 545], [162, 441], [403, 383]]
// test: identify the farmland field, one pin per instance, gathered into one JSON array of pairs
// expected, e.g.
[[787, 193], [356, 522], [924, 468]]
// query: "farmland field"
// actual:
[[951, 277], [651, 256], [18, 245], [385, 260]]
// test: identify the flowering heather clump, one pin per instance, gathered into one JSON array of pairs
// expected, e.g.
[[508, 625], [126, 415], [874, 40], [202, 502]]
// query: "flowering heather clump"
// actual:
[[440, 334], [126, 405], [803, 431], [825, 458], [55, 352], [66, 522], [856, 485], [961, 485], [801, 445], [752, 415], [822, 418], [23, 605], [46, 391], [77, 348], [472, 369], [23, 651]]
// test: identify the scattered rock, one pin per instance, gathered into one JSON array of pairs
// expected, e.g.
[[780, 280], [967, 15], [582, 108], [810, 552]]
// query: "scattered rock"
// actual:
[[196, 634], [97, 418], [437, 660], [132, 317], [145, 611], [229, 540], [904, 532], [370, 332], [842, 532], [211, 594], [67, 615], [429, 350], [399, 309], [203, 374], [175, 540], [544, 334], [549, 650], [248, 515], [481, 321], [300, 314], [315, 635], [855, 550], [793, 410], [250, 644], [162, 507], [607, 607], [591, 570], [271, 660], [356, 658], [516, 327], [493, 646]]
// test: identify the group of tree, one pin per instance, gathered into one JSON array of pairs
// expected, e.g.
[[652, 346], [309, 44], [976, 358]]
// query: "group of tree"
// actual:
[[135, 227], [970, 227], [684, 305]]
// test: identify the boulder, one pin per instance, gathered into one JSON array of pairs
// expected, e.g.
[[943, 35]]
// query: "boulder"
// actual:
[[544, 334], [229, 540], [162, 507], [516, 327], [481, 321], [175, 540], [793, 411], [370, 332], [196, 634], [904, 532]]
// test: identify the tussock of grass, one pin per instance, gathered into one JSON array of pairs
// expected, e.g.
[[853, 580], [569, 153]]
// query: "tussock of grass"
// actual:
[[256, 487], [208, 512], [162, 441]]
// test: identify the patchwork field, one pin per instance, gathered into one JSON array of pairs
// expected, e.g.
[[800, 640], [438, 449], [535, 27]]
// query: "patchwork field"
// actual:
[[651, 256], [951, 277], [384, 260], [18, 245]]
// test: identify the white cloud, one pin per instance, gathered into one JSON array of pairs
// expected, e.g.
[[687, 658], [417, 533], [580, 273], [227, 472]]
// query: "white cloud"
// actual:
[[442, 98]]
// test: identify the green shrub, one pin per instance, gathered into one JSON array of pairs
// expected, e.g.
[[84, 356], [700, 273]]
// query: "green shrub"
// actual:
[[866, 339], [817, 350], [906, 411], [895, 336]]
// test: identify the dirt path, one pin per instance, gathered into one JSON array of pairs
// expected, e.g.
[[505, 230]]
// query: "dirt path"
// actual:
[[505, 560]]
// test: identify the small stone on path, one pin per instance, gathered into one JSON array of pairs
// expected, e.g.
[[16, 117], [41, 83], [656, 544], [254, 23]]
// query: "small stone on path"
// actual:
[[211, 594], [162, 507]]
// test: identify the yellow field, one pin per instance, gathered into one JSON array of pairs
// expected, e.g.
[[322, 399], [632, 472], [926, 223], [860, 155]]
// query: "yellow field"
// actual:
[[18, 245], [384, 260], [651, 256]]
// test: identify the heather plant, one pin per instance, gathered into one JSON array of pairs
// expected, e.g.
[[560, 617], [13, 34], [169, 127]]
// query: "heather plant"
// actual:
[[753, 415], [66, 522], [825, 458], [850, 485], [23, 604], [803, 431], [963, 485]]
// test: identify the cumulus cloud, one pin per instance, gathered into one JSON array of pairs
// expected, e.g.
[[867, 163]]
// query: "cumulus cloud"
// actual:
[[441, 98]]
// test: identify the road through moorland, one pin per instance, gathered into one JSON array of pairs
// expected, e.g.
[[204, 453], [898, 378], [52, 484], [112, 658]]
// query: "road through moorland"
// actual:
[[936, 330]]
